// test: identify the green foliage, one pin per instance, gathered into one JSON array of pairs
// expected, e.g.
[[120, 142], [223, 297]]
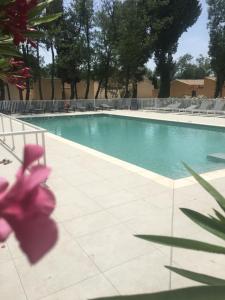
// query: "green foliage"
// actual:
[[170, 20], [82, 12], [217, 41], [193, 293], [132, 45], [8, 49], [105, 36], [186, 68], [202, 278]]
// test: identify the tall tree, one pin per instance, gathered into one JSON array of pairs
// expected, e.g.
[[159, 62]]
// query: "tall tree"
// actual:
[[170, 19], [104, 45], [70, 49], [132, 45], [217, 41], [51, 32], [83, 15]]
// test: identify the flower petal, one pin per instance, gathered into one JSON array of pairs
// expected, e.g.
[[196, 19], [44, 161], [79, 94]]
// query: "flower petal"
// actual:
[[5, 230], [36, 236], [3, 184], [43, 202], [38, 174], [31, 153]]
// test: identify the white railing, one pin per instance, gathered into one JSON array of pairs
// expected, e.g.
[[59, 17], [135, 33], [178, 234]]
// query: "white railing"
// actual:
[[15, 133]]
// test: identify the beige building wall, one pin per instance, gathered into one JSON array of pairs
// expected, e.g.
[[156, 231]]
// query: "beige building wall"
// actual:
[[47, 89], [14, 92], [209, 87], [81, 90], [181, 88], [145, 89], [112, 93]]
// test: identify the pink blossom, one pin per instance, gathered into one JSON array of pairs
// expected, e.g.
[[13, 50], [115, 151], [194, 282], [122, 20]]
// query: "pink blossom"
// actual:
[[26, 206]]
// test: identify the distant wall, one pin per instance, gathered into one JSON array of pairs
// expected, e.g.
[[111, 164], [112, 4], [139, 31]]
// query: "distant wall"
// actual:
[[180, 89], [14, 92], [47, 89], [81, 89], [145, 89]]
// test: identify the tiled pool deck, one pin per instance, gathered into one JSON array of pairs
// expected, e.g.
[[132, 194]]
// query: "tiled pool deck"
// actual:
[[101, 204]]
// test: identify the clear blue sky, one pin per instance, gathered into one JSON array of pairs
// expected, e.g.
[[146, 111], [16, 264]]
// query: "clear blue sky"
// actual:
[[194, 41]]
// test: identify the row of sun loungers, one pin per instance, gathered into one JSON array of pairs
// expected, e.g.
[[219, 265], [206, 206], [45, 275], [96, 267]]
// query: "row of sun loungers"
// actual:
[[37, 107], [203, 108]]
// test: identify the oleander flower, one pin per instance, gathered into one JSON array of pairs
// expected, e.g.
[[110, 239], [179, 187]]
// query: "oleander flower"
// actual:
[[18, 76], [15, 19], [26, 206]]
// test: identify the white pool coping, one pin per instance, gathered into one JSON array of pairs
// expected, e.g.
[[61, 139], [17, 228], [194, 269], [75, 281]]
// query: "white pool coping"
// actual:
[[169, 117]]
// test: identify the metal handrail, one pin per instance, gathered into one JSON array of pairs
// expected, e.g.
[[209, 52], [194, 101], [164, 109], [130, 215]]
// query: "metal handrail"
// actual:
[[10, 144]]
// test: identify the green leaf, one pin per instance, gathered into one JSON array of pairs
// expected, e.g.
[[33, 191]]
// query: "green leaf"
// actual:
[[183, 243], [4, 2], [206, 223], [34, 34], [39, 8], [208, 187], [219, 216], [44, 20], [9, 51], [209, 280], [192, 293]]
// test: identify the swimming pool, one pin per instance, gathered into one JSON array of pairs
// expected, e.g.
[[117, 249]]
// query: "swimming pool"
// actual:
[[158, 146]]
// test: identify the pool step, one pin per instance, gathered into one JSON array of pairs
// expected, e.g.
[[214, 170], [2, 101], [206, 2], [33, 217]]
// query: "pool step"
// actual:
[[217, 157]]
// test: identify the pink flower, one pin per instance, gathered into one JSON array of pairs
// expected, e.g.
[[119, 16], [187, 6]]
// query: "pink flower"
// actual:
[[25, 208]]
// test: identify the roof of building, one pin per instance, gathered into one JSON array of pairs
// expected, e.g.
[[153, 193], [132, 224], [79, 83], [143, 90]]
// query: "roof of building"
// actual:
[[192, 81]]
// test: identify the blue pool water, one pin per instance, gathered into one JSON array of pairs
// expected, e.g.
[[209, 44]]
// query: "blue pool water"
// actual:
[[154, 145]]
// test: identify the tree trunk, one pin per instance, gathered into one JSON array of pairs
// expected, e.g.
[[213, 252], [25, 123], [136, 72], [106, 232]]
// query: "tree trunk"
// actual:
[[63, 91], [20, 94], [25, 55], [127, 85], [99, 88], [8, 91], [2, 90], [134, 95], [107, 75], [53, 71], [27, 89], [28, 79], [72, 90], [88, 61], [75, 90], [39, 74], [164, 90], [165, 69], [219, 86]]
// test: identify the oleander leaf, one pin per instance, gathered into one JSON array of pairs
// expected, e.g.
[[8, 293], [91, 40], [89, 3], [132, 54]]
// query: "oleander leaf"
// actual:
[[208, 187], [39, 8], [45, 19], [220, 217], [192, 293], [206, 223], [7, 51], [202, 278], [183, 243]]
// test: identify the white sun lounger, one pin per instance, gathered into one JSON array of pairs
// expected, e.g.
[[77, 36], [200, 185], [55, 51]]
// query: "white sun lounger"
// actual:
[[170, 107], [218, 108]]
